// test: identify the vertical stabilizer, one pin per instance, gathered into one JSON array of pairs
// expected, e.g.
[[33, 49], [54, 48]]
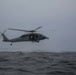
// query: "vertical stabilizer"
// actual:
[[5, 39]]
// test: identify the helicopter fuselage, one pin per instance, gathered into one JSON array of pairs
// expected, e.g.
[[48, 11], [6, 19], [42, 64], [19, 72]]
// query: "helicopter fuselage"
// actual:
[[33, 37]]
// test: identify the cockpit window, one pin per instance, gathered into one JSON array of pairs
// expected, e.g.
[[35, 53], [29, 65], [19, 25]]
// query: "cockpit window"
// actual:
[[23, 36]]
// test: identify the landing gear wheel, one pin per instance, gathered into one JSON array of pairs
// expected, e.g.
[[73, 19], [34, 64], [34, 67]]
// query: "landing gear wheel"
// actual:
[[11, 43]]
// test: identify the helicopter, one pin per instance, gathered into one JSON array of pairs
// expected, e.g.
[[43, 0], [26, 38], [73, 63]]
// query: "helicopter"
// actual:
[[31, 36]]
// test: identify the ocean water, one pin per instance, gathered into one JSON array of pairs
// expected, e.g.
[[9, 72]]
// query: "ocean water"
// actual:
[[37, 63]]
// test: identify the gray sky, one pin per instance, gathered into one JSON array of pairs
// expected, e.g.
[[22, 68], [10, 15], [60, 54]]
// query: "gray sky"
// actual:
[[59, 15]]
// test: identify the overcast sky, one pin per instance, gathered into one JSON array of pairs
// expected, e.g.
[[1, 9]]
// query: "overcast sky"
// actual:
[[59, 15]]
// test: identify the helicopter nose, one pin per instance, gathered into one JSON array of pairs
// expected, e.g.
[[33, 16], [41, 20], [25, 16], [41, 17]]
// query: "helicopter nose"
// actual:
[[45, 37]]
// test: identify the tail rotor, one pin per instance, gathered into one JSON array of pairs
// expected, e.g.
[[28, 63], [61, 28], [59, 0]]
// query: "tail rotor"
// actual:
[[2, 33]]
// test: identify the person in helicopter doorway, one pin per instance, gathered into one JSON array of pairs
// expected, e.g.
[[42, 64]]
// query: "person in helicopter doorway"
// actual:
[[33, 38]]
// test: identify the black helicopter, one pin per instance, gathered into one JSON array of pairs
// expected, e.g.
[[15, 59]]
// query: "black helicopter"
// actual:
[[32, 36]]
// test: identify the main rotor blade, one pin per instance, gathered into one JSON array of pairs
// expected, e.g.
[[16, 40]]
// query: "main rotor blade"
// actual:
[[18, 30], [35, 29], [25, 30], [38, 28]]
